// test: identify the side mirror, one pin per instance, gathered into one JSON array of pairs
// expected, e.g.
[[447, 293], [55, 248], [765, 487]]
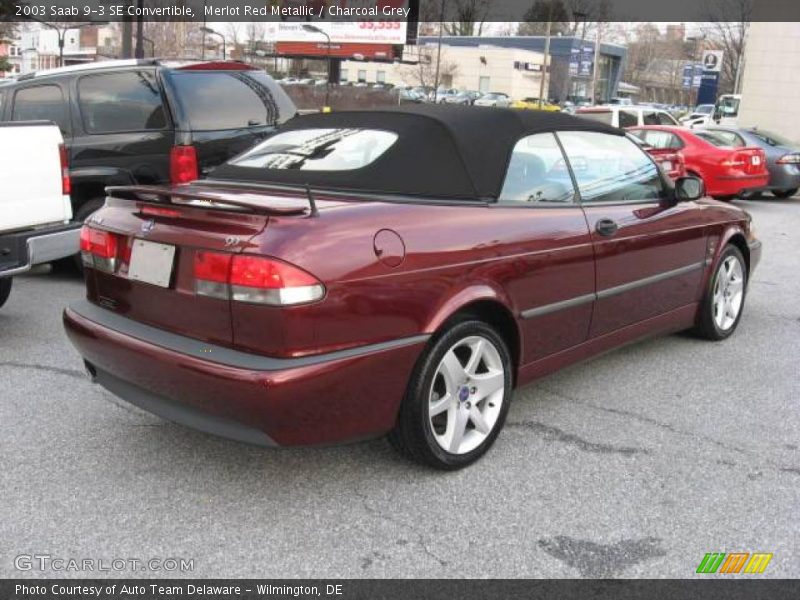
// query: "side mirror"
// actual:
[[689, 188]]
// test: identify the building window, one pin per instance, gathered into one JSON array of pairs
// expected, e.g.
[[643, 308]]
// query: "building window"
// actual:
[[14, 51], [380, 77], [484, 85], [343, 75], [362, 75]]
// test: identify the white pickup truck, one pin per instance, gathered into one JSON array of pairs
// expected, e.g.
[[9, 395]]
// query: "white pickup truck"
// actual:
[[35, 209]]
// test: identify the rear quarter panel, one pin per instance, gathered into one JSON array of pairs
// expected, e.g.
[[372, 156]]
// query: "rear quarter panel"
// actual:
[[455, 255]]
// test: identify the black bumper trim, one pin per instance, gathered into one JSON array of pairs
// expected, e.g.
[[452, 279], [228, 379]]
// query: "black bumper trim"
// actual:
[[181, 413], [219, 354]]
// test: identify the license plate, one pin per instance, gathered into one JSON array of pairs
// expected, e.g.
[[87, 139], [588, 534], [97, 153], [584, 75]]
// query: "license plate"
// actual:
[[756, 160], [151, 263]]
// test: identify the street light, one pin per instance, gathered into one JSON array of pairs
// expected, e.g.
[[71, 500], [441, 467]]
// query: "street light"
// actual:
[[62, 31], [314, 29], [210, 31]]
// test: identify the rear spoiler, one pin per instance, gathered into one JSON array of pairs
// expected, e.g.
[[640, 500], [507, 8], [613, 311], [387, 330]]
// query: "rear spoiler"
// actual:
[[269, 204]]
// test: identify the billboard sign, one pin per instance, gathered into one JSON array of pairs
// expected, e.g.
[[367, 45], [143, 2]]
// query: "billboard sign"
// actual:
[[574, 60], [697, 79], [338, 24]]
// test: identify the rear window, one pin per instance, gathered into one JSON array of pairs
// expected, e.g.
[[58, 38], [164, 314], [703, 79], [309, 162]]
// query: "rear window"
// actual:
[[214, 100], [723, 139], [773, 139], [605, 116], [318, 150]]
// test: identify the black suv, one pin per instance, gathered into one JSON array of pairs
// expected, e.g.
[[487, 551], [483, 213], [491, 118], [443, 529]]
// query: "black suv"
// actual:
[[147, 121]]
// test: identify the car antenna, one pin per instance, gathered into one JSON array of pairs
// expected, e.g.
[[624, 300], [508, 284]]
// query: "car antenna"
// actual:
[[312, 202]]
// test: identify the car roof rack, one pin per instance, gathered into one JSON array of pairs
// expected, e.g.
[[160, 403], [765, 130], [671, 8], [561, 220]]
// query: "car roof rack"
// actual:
[[125, 62]]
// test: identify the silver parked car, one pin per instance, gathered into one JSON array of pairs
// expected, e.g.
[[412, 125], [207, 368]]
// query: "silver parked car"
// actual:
[[494, 99], [783, 156]]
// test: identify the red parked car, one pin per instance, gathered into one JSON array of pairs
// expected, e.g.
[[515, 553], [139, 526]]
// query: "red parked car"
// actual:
[[726, 172], [670, 160], [398, 272]]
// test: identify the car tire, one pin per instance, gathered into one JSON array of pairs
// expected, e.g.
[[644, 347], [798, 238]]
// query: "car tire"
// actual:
[[723, 302], [5, 289], [784, 193], [464, 375]]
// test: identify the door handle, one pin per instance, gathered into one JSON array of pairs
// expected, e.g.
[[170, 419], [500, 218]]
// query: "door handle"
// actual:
[[606, 227]]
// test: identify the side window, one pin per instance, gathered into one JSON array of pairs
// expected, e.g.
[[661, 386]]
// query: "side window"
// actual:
[[665, 118], [41, 103], [649, 117], [537, 172], [112, 102], [628, 118], [610, 168], [659, 139]]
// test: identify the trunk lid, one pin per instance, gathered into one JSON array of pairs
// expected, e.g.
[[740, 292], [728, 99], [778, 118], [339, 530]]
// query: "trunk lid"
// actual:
[[159, 232]]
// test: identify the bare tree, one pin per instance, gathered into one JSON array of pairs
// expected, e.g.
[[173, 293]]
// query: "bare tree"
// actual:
[[424, 72], [726, 30], [466, 17]]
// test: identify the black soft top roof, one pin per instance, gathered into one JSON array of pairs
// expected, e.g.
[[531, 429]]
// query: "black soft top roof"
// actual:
[[458, 152]]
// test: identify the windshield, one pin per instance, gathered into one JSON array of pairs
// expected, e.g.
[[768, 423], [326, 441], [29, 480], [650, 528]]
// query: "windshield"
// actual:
[[704, 109], [773, 139], [729, 106], [318, 150]]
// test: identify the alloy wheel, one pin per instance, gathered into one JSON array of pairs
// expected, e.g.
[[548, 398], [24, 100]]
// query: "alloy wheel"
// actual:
[[728, 293], [466, 395]]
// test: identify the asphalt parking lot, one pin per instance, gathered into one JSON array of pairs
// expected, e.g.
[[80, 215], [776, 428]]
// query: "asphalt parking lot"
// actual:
[[633, 465]]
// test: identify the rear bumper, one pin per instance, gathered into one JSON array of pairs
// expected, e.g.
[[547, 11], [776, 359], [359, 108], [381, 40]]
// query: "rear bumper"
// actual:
[[325, 399], [732, 185], [24, 249]]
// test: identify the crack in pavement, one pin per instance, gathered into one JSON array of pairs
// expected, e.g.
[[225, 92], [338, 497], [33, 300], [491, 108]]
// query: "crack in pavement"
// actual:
[[554, 434], [46, 368], [601, 560], [649, 420], [421, 540], [673, 429]]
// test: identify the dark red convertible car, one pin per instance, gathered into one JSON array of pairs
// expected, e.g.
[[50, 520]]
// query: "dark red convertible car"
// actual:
[[398, 272]]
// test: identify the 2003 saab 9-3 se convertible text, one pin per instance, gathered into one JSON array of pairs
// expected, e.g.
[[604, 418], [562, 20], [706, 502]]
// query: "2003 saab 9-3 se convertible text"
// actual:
[[400, 272]]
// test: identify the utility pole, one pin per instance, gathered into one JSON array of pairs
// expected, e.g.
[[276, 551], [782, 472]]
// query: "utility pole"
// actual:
[[438, 57], [596, 65], [546, 52]]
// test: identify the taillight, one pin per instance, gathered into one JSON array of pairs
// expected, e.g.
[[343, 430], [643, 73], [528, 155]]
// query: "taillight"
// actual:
[[789, 159], [66, 182], [211, 272], [99, 249], [183, 164], [254, 279]]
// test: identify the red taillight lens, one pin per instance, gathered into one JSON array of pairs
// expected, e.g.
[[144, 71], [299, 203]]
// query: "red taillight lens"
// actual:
[[183, 164], [99, 249], [66, 182], [159, 211], [212, 266], [254, 279], [267, 273]]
